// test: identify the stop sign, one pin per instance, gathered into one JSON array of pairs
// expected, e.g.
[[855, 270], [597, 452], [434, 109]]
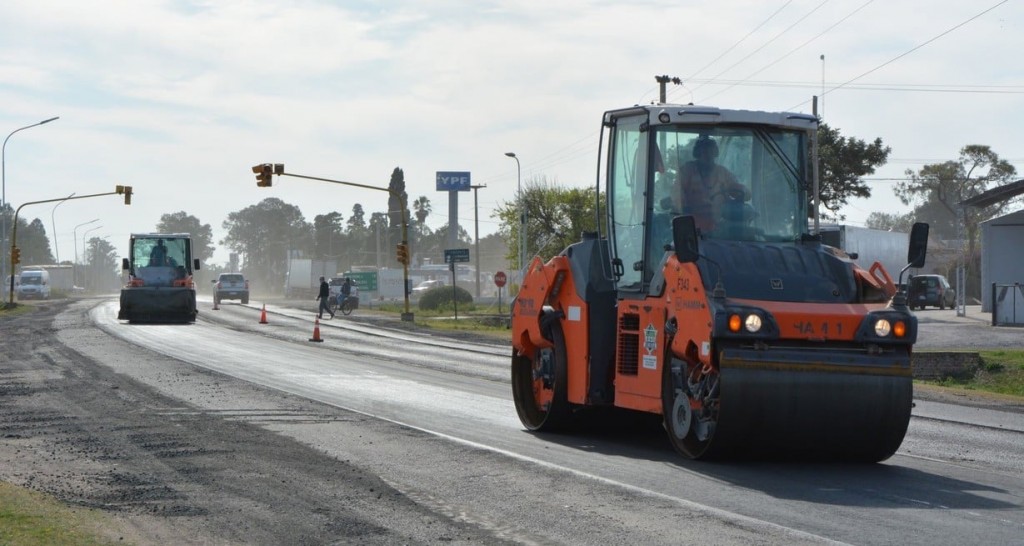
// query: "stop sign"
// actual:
[[499, 279]]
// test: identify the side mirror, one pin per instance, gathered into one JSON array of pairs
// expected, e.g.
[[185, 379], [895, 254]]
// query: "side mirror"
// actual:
[[195, 264], [684, 239], [124, 264], [918, 245]]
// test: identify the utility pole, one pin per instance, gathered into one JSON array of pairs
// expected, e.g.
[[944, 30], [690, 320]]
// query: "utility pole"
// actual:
[[476, 236], [662, 82]]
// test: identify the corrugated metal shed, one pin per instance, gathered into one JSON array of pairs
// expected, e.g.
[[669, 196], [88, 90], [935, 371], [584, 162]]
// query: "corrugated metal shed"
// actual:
[[1002, 254]]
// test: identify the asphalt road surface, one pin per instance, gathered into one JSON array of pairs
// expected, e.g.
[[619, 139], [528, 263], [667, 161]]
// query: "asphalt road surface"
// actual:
[[238, 432]]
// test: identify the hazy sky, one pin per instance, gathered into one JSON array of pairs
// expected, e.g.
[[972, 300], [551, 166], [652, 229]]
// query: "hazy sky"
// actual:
[[179, 99]]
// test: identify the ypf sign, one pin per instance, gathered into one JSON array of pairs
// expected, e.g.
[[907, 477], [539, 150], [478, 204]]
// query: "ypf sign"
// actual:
[[453, 181]]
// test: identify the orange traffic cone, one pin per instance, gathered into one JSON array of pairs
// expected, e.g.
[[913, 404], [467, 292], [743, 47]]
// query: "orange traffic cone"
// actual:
[[263, 315], [316, 331]]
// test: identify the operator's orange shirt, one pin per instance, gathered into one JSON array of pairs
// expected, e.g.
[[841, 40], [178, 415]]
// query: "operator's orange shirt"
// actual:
[[701, 192]]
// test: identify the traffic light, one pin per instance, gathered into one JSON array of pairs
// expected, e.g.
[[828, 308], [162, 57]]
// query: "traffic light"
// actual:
[[126, 191], [15, 255], [264, 173], [403, 253]]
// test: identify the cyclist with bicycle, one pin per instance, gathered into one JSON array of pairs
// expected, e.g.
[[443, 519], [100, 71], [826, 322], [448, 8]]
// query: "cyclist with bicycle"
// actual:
[[346, 290], [341, 302]]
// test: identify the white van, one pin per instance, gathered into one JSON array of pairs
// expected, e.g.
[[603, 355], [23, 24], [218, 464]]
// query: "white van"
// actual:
[[34, 283]]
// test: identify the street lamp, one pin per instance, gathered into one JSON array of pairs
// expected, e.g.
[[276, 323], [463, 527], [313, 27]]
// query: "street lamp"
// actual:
[[3, 176], [74, 236], [53, 225], [88, 231], [522, 212]]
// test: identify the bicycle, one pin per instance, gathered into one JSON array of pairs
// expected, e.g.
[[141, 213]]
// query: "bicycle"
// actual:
[[345, 307]]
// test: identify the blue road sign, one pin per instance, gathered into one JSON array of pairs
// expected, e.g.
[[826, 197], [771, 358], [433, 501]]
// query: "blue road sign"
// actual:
[[453, 181]]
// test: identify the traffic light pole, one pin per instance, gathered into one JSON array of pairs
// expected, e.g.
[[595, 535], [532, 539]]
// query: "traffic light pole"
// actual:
[[119, 190], [278, 169]]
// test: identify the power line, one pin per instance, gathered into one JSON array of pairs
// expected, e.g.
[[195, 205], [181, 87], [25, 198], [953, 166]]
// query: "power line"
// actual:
[[738, 42], [724, 53], [909, 87], [772, 39], [908, 52], [799, 47]]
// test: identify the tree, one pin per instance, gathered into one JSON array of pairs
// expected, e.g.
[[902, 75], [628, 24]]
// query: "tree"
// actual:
[[367, 247], [422, 209], [33, 242], [267, 234], [419, 232], [494, 252], [844, 162], [357, 222], [328, 235], [182, 222], [890, 222], [102, 268], [556, 217], [395, 212], [938, 189]]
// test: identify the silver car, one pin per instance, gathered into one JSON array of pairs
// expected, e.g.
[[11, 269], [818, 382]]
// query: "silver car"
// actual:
[[231, 286]]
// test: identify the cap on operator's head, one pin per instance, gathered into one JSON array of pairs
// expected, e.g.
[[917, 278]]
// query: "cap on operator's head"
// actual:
[[705, 142]]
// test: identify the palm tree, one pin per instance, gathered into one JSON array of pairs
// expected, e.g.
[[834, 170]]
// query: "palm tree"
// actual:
[[422, 207]]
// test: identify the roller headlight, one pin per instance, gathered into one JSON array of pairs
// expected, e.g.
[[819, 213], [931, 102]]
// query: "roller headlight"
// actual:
[[882, 327], [753, 323]]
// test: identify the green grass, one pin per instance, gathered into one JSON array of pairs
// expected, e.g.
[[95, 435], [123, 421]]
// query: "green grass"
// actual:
[[6, 310], [1001, 372], [28, 518], [468, 323], [472, 318]]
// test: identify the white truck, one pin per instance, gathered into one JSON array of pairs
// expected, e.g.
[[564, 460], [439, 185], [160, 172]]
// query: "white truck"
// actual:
[[62, 277], [303, 277], [888, 248]]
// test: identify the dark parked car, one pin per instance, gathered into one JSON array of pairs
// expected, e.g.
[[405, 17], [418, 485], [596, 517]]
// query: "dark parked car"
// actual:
[[931, 290]]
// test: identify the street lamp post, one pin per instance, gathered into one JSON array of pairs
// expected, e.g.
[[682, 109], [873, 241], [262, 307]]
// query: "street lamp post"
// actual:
[[53, 226], [74, 236], [522, 212], [3, 177], [823, 85], [88, 231]]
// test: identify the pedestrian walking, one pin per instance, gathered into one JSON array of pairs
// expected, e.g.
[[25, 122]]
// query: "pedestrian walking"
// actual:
[[325, 298]]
